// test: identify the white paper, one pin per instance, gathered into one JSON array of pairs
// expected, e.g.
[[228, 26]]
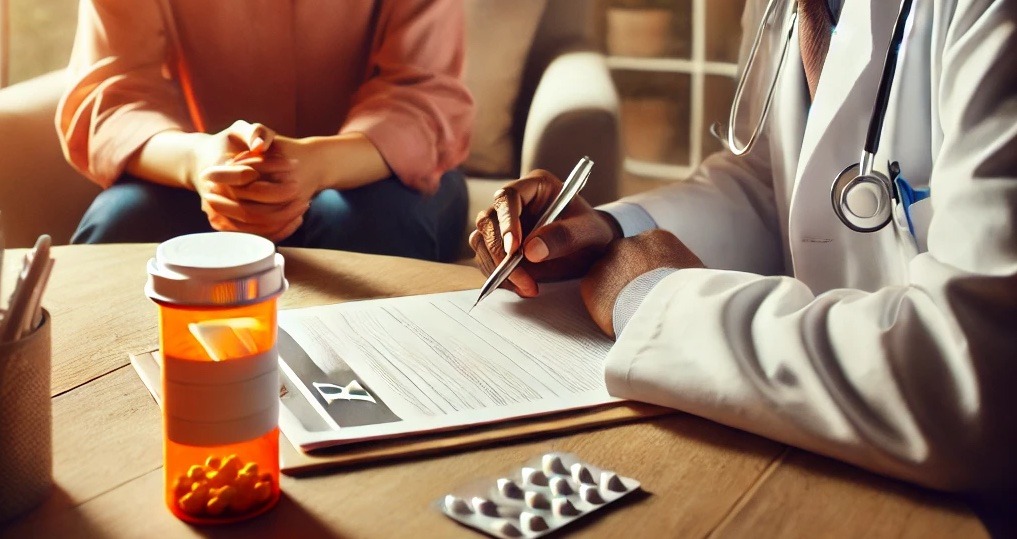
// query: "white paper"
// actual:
[[391, 367]]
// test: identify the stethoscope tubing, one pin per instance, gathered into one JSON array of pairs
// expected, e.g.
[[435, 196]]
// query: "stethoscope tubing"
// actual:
[[743, 79], [886, 81], [863, 176], [854, 176]]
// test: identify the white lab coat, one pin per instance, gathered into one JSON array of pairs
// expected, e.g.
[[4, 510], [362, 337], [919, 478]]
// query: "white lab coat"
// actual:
[[855, 345]]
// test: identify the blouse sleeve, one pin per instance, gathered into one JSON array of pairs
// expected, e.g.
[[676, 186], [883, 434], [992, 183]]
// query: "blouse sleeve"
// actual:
[[414, 106], [120, 93]]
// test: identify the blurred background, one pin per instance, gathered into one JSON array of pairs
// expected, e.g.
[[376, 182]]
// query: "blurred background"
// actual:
[[672, 61], [37, 36], [674, 64]]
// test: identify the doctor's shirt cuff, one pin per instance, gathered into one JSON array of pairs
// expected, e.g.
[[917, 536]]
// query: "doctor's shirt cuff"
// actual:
[[632, 296], [632, 218]]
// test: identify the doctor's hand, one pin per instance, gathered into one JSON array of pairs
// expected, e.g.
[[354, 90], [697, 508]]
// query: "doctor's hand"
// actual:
[[563, 249], [625, 260]]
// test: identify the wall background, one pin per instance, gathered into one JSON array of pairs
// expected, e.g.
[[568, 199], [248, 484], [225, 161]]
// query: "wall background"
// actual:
[[41, 35]]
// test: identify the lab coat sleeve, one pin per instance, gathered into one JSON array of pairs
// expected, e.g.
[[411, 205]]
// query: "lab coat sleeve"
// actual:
[[415, 107], [725, 213], [735, 224], [120, 95], [916, 381]]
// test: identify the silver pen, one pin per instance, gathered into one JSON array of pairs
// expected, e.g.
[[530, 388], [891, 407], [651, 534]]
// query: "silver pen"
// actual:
[[574, 183]]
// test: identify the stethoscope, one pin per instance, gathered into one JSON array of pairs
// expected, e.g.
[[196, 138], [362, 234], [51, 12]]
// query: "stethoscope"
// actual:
[[862, 197]]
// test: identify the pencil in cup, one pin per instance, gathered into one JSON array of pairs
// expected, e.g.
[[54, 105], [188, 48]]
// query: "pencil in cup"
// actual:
[[25, 306]]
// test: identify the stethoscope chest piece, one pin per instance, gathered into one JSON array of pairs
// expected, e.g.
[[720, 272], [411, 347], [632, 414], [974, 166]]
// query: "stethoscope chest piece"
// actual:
[[863, 202]]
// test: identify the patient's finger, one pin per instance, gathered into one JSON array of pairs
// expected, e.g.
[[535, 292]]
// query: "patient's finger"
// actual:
[[273, 164], [225, 224], [260, 138], [272, 216], [266, 192], [225, 207], [245, 158], [266, 217], [257, 137], [287, 230], [230, 174]]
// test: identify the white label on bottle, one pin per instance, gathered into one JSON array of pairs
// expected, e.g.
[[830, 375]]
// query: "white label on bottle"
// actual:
[[215, 403]]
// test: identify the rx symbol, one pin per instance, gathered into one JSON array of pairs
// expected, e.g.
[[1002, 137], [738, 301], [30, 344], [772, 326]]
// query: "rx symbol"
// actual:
[[352, 392]]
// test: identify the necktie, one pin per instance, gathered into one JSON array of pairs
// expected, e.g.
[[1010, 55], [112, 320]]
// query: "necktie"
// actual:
[[814, 31]]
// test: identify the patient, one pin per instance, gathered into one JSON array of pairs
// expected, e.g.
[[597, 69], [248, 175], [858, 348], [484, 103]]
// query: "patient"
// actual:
[[310, 123]]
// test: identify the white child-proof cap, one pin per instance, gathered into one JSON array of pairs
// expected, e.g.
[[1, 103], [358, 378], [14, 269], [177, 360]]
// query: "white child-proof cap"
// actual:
[[215, 269]]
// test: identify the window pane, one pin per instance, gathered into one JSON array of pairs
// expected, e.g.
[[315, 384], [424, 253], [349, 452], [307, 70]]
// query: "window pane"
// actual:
[[655, 116], [42, 32], [649, 28], [723, 29]]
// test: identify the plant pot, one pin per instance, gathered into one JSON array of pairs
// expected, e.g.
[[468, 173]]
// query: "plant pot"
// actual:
[[648, 127], [638, 31]]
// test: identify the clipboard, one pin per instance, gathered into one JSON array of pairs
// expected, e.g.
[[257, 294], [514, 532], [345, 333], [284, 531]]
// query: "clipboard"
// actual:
[[294, 462]]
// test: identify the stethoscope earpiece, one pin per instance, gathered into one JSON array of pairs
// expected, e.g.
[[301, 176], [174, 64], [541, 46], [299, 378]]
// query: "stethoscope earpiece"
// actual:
[[863, 202]]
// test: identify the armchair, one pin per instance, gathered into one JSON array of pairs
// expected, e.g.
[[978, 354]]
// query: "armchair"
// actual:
[[564, 106], [39, 192]]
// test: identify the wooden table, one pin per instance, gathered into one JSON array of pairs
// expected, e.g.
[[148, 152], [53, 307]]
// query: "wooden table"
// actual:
[[700, 478]]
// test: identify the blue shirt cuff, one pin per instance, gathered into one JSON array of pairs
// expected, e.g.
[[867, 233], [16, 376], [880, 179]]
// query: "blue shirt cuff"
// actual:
[[632, 218], [632, 296]]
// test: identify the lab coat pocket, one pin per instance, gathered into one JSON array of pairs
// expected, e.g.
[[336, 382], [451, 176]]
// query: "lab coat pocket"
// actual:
[[913, 213], [921, 215], [905, 240]]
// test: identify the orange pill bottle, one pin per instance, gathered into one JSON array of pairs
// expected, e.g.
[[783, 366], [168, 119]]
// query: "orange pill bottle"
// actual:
[[217, 297]]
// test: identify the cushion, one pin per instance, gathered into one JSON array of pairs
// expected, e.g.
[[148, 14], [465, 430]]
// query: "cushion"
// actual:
[[498, 38]]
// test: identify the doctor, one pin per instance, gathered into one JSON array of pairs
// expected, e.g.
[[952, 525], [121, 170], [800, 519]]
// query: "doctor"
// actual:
[[747, 296]]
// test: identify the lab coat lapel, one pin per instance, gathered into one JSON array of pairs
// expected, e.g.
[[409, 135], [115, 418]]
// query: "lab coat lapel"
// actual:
[[834, 138], [788, 117], [850, 51]]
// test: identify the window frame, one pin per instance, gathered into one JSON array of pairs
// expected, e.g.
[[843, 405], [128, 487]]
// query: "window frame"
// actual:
[[698, 67], [5, 42]]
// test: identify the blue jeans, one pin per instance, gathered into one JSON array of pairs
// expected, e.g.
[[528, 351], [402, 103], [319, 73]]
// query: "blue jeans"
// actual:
[[384, 217]]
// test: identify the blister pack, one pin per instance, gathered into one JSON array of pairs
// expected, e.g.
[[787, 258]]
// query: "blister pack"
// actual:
[[542, 496]]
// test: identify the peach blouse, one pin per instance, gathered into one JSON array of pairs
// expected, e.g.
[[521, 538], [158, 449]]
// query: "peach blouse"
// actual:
[[390, 69]]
